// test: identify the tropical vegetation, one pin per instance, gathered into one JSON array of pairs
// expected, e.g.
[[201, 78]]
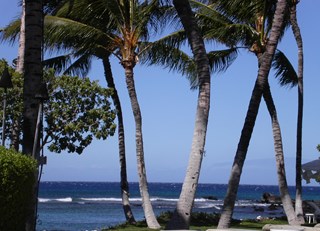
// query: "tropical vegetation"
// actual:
[[78, 109], [16, 181]]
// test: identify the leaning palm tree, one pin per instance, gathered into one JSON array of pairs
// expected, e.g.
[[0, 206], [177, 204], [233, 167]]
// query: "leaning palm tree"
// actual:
[[251, 27], [261, 47], [182, 214]]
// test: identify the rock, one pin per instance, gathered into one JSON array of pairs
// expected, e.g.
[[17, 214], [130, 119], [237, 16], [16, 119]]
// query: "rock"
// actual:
[[270, 198], [210, 198]]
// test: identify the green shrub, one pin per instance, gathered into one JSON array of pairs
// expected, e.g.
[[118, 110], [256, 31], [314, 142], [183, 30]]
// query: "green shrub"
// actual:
[[16, 188]]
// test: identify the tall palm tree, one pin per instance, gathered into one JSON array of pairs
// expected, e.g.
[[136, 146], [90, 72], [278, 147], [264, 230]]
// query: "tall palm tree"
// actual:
[[82, 64], [121, 143], [66, 32], [130, 23], [32, 74], [132, 20], [182, 214], [298, 37], [254, 34], [265, 59]]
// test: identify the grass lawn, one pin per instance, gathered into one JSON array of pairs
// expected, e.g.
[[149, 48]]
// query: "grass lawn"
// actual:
[[200, 221]]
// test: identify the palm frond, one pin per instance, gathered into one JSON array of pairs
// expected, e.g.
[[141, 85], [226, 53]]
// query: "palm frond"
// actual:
[[11, 32], [220, 27], [285, 72], [231, 34], [58, 63], [241, 11], [170, 57], [175, 39], [81, 66], [92, 13], [63, 34], [156, 16], [221, 60]]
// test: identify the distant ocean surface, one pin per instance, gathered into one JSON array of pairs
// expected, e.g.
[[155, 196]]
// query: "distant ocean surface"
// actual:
[[76, 206]]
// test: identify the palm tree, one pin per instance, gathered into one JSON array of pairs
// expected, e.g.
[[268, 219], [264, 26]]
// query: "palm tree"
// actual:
[[254, 35], [182, 214], [130, 22], [121, 143], [261, 88], [62, 34], [82, 63], [32, 78], [298, 37], [132, 19]]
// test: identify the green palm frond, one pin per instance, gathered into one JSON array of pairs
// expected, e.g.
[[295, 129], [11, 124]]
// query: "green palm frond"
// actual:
[[231, 34], [209, 12], [89, 12], [58, 63], [285, 72], [11, 32], [70, 64], [156, 16], [166, 56], [221, 60], [241, 11], [220, 27], [80, 66], [64, 34], [169, 57], [175, 39]]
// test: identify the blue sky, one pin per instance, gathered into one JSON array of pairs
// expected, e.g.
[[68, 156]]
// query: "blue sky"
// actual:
[[168, 112]]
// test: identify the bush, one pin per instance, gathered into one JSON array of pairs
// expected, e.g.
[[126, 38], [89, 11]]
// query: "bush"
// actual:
[[16, 188]]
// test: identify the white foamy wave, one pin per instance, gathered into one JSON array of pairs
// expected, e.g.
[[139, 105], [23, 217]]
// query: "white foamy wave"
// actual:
[[135, 199], [45, 200], [164, 199], [209, 206], [101, 199], [200, 200], [251, 203]]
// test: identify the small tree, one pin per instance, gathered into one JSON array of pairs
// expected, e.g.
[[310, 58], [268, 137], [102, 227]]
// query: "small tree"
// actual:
[[77, 111]]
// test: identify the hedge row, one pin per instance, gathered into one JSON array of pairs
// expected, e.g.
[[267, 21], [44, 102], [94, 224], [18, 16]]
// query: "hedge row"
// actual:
[[17, 177]]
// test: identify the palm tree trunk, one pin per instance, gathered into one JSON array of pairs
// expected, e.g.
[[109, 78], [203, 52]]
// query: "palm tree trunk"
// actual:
[[22, 42], [143, 183], [121, 142], [32, 79], [15, 138], [298, 37], [182, 214], [252, 112], [282, 181]]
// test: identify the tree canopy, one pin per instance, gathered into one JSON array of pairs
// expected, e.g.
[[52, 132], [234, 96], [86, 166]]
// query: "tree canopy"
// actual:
[[77, 111]]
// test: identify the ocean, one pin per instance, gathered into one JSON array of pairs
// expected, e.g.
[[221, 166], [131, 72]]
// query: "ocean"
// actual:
[[77, 206]]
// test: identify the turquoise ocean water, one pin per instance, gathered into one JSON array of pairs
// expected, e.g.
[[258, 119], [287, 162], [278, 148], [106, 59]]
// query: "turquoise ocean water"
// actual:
[[76, 206]]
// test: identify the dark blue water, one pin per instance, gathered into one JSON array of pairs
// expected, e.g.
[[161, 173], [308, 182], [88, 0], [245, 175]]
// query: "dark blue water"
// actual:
[[74, 206]]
